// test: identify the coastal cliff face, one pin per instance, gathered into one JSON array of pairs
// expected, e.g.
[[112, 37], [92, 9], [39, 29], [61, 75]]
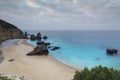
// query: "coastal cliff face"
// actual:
[[9, 31]]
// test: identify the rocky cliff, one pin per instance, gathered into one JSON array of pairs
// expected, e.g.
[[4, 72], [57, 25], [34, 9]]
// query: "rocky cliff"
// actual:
[[9, 31]]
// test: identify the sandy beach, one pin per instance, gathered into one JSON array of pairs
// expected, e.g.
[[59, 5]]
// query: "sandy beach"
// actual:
[[33, 67]]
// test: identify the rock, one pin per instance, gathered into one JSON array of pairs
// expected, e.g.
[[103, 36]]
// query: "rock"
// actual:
[[40, 50], [53, 48], [9, 31], [25, 35], [1, 53], [111, 51], [45, 37], [32, 37], [11, 60], [47, 43], [38, 36], [40, 42]]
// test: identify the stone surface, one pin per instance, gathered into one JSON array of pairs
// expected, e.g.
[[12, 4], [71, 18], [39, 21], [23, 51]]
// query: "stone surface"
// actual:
[[9, 31], [45, 37], [32, 37], [39, 50], [53, 48], [38, 36], [111, 51]]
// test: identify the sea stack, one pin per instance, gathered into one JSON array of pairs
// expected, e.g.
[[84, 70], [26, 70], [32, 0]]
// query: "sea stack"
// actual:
[[39, 50], [111, 51]]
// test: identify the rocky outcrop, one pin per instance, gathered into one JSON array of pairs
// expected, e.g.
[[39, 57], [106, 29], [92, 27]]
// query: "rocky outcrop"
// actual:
[[53, 48], [9, 31], [32, 37], [45, 37], [37, 37], [111, 51], [40, 42], [39, 50]]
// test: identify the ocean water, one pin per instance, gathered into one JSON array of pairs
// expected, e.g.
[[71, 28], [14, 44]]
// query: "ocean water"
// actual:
[[84, 48]]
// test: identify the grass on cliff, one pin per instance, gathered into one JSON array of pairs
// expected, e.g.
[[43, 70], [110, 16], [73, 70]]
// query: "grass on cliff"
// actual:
[[98, 73]]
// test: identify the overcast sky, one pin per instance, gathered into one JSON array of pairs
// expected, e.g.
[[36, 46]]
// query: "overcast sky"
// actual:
[[62, 14]]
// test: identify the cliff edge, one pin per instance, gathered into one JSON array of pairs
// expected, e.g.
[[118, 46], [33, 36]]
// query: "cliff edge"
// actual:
[[9, 31]]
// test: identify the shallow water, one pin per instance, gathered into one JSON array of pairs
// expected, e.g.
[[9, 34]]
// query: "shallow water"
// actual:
[[84, 48], [8, 43]]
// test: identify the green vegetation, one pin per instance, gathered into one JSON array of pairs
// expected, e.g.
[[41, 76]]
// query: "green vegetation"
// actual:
[[98, 73], [5, 78]]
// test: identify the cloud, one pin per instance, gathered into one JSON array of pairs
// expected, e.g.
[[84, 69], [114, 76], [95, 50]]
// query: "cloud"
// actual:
[[70, 14], [32, 3]]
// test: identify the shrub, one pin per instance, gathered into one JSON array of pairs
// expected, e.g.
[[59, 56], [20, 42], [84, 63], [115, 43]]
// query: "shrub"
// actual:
[[97, 73], [5, 78]]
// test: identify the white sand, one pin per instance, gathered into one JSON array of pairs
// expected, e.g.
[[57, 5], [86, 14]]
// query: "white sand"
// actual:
[[33, 67]]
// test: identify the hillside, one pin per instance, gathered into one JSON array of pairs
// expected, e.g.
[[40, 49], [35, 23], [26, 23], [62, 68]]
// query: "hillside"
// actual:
[[9, 31]]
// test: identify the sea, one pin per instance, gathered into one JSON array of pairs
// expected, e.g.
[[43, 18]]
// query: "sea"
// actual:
[[83, 48]]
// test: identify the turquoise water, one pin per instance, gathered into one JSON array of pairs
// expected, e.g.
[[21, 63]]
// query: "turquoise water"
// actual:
[[84, 48]]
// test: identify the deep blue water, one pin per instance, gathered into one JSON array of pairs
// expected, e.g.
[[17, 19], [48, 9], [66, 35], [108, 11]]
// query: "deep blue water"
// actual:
[[84, 48]]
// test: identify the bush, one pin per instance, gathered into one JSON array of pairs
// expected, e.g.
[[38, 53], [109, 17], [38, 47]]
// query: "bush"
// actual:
[[5, 78], [97, 73]]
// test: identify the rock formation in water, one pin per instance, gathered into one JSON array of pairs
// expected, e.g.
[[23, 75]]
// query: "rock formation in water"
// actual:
[[9, 31], [45, 37], [26, 35], [111, 51], [37, 37], [40, 42], [53, 48], [32, 37], [39, 50]]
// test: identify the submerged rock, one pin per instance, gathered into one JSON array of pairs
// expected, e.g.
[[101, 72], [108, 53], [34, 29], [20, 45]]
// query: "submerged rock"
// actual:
[[53, 48], [40, 42], [111, 51]]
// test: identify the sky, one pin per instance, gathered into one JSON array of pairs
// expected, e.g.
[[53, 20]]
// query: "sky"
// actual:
[[62, 14]]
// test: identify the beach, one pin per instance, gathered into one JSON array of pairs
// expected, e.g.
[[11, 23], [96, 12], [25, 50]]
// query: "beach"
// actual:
[[33, 67]]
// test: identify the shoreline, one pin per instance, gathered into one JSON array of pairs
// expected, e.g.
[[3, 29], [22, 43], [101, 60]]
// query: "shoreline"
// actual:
[[55, 59], [25, 64], [65, 64]]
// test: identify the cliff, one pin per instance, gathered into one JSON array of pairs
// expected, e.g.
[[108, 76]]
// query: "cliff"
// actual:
[[9, 31]]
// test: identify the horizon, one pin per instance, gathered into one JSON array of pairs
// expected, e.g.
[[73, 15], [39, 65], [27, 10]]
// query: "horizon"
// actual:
[[62, 15]]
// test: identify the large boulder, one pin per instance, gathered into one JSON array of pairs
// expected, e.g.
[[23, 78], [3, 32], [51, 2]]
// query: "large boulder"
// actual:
[[45, 37], [111, 51], [39, 50], [25, 35], [32, 37], [40, 42], [38, 36]]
